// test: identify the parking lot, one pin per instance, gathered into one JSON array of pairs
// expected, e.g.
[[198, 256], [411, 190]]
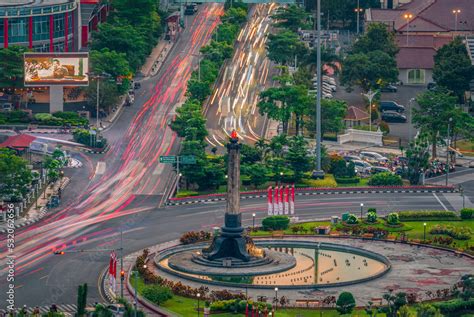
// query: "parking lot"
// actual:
[[403, 96]]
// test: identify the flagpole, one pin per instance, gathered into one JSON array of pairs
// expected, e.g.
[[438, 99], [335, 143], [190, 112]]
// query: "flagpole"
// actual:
[[121, 262]]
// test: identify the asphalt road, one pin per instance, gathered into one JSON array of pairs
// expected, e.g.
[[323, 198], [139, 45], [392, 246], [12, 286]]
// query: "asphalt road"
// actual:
[[233, 106], [54, 278]]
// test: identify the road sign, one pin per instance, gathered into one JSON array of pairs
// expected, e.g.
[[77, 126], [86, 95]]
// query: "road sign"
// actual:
[[187, 159], [168, 159]]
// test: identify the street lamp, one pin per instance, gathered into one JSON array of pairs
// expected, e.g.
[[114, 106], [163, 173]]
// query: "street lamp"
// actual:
[[447, 150], [370, 95], [361, 210], [358, 10], [198, 296], [253, 223], [408, 17], [456, 12], [461, 191], [135, 302], [177, 183], [424, 232], [276, 298]]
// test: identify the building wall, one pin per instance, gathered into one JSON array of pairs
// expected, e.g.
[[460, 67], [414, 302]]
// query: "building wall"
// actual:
[[393, 4], [39, 28], [403, 77]]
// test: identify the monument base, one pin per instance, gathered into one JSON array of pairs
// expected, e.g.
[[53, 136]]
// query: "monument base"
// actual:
[[230, 243]]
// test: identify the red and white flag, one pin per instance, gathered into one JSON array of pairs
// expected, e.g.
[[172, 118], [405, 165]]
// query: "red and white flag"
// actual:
[[292, 200], [275, 201], [113, 271], [270, 200], [287, 199], [280, 204]]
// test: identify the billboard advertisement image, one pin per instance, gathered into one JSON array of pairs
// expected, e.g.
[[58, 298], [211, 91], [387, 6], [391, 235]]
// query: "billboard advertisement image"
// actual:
[[49, 69]]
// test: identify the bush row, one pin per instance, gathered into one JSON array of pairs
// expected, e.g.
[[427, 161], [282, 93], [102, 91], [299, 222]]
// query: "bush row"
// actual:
[[427, 215], [194, 236], [347, 180], [57, 119], [275, 223], [455, 307], [467, 213], [385, 179], [458, 233], [237, 306]]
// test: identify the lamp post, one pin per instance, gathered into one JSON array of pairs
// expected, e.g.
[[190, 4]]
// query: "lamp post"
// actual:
[[177, 183], [424, 232], [447, 150], [361, 210], [408, 17], [253, 221], [198, 297], [358, 10], [135, 295], [98, 77], [276, 298], [456, 12], [281, 178], [370, 95], [318, 94]]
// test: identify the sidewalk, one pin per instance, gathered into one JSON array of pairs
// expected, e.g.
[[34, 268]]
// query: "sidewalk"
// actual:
[[38, 209], [156, 58]]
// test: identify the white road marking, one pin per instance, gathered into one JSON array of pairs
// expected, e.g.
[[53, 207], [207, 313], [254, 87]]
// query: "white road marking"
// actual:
[[100, 168], [440, 202]]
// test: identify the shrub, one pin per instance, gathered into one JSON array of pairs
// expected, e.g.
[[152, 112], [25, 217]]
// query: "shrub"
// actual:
[[458, 233], [466, 213], [352, 219], [384, 127], [327, 182], [371, 217], [345, 303], [427, 215], [275, 223], [393, 219], [194, 236], [347, 180], [385, 179], [372, 209], [157, 294], [186, 193], [454, 306]]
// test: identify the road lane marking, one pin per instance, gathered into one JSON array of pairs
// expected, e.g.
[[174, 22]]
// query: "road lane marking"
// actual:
[[100, 168], [440, 202]]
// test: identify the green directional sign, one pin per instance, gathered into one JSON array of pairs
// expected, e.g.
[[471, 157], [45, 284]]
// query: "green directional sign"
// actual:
[[168, 159], [187, 159]]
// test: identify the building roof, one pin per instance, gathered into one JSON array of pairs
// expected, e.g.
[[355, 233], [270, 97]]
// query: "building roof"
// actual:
[[31, 3], [428, 16], [426, 40], [416, 57], [19, 141], [356, 114]]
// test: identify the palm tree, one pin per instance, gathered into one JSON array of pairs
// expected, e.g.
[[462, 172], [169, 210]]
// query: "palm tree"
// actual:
[[262, 146]]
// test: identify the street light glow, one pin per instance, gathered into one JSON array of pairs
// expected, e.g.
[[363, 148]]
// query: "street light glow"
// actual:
[[456, 11], [276, 289], [253, 215], [408, 16]]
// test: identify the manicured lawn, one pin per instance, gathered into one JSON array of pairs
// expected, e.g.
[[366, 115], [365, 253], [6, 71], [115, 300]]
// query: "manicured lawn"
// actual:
[[364, 182], [466, 146]]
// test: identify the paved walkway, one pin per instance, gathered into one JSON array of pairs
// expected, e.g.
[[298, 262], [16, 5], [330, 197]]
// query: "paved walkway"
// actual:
[[414, 270], [156, 58]]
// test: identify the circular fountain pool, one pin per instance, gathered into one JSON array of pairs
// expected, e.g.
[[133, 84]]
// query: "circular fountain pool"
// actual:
[[317, 265]]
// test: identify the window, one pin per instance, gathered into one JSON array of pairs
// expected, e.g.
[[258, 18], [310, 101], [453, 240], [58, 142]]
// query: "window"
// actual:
[[18, 30], [40, 28], [59, 47], [69, 23], [416, 76], [1, 31], [58, 25], [41, 48]]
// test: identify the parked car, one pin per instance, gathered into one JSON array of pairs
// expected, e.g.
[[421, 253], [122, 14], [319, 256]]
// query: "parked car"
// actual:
[[391, 106], [389, 88], [7, 107], [317, 175], [393, 116], [431, 86], [349, 158], [137, 85], [117, 309], [361, 166], [373, 157], [190, 9], [379, 169]]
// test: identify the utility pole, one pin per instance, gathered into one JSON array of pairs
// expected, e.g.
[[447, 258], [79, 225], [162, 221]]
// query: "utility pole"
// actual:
[[121, 262], [318, 96], [370, 95], [447, 151], [97, 104]]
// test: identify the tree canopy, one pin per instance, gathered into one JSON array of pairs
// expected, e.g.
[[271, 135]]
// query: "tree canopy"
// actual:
[[291, 17], [453, 68], [11, 66], [284, 46], [377, 38], [15, 176]]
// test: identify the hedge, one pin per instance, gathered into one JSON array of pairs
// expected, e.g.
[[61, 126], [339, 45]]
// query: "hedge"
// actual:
[[385, 179], [275, 223], [466, 213], [347, 180], [157, 294], [455, 307], [427, 215]]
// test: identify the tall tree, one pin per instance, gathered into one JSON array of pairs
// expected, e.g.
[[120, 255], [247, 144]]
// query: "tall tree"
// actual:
[[14, 175], [291, 17], [333, 112], [284, 46], [297, 157], [453, 68], [189, 122], [109, 94], [369, 70], [113, 63], [435, 109], [418, 155], [377, 38], [11, 66]]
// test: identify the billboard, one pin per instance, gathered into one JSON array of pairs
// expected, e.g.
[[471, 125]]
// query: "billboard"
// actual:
[[50, 69]]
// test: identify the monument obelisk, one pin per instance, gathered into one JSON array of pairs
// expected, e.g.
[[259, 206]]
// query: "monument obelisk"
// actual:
[[231, 243]]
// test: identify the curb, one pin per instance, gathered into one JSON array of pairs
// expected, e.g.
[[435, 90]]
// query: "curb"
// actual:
[[90, 151], [321, 192]]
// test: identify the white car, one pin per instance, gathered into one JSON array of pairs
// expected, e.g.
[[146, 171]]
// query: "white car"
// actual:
[[362, 167], [6, 107], [374, 157]]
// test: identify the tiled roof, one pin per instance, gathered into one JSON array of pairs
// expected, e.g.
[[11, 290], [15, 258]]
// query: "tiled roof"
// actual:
[[429, 15], [18, 141], [416, 57], [356, 114], [428, 40]]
